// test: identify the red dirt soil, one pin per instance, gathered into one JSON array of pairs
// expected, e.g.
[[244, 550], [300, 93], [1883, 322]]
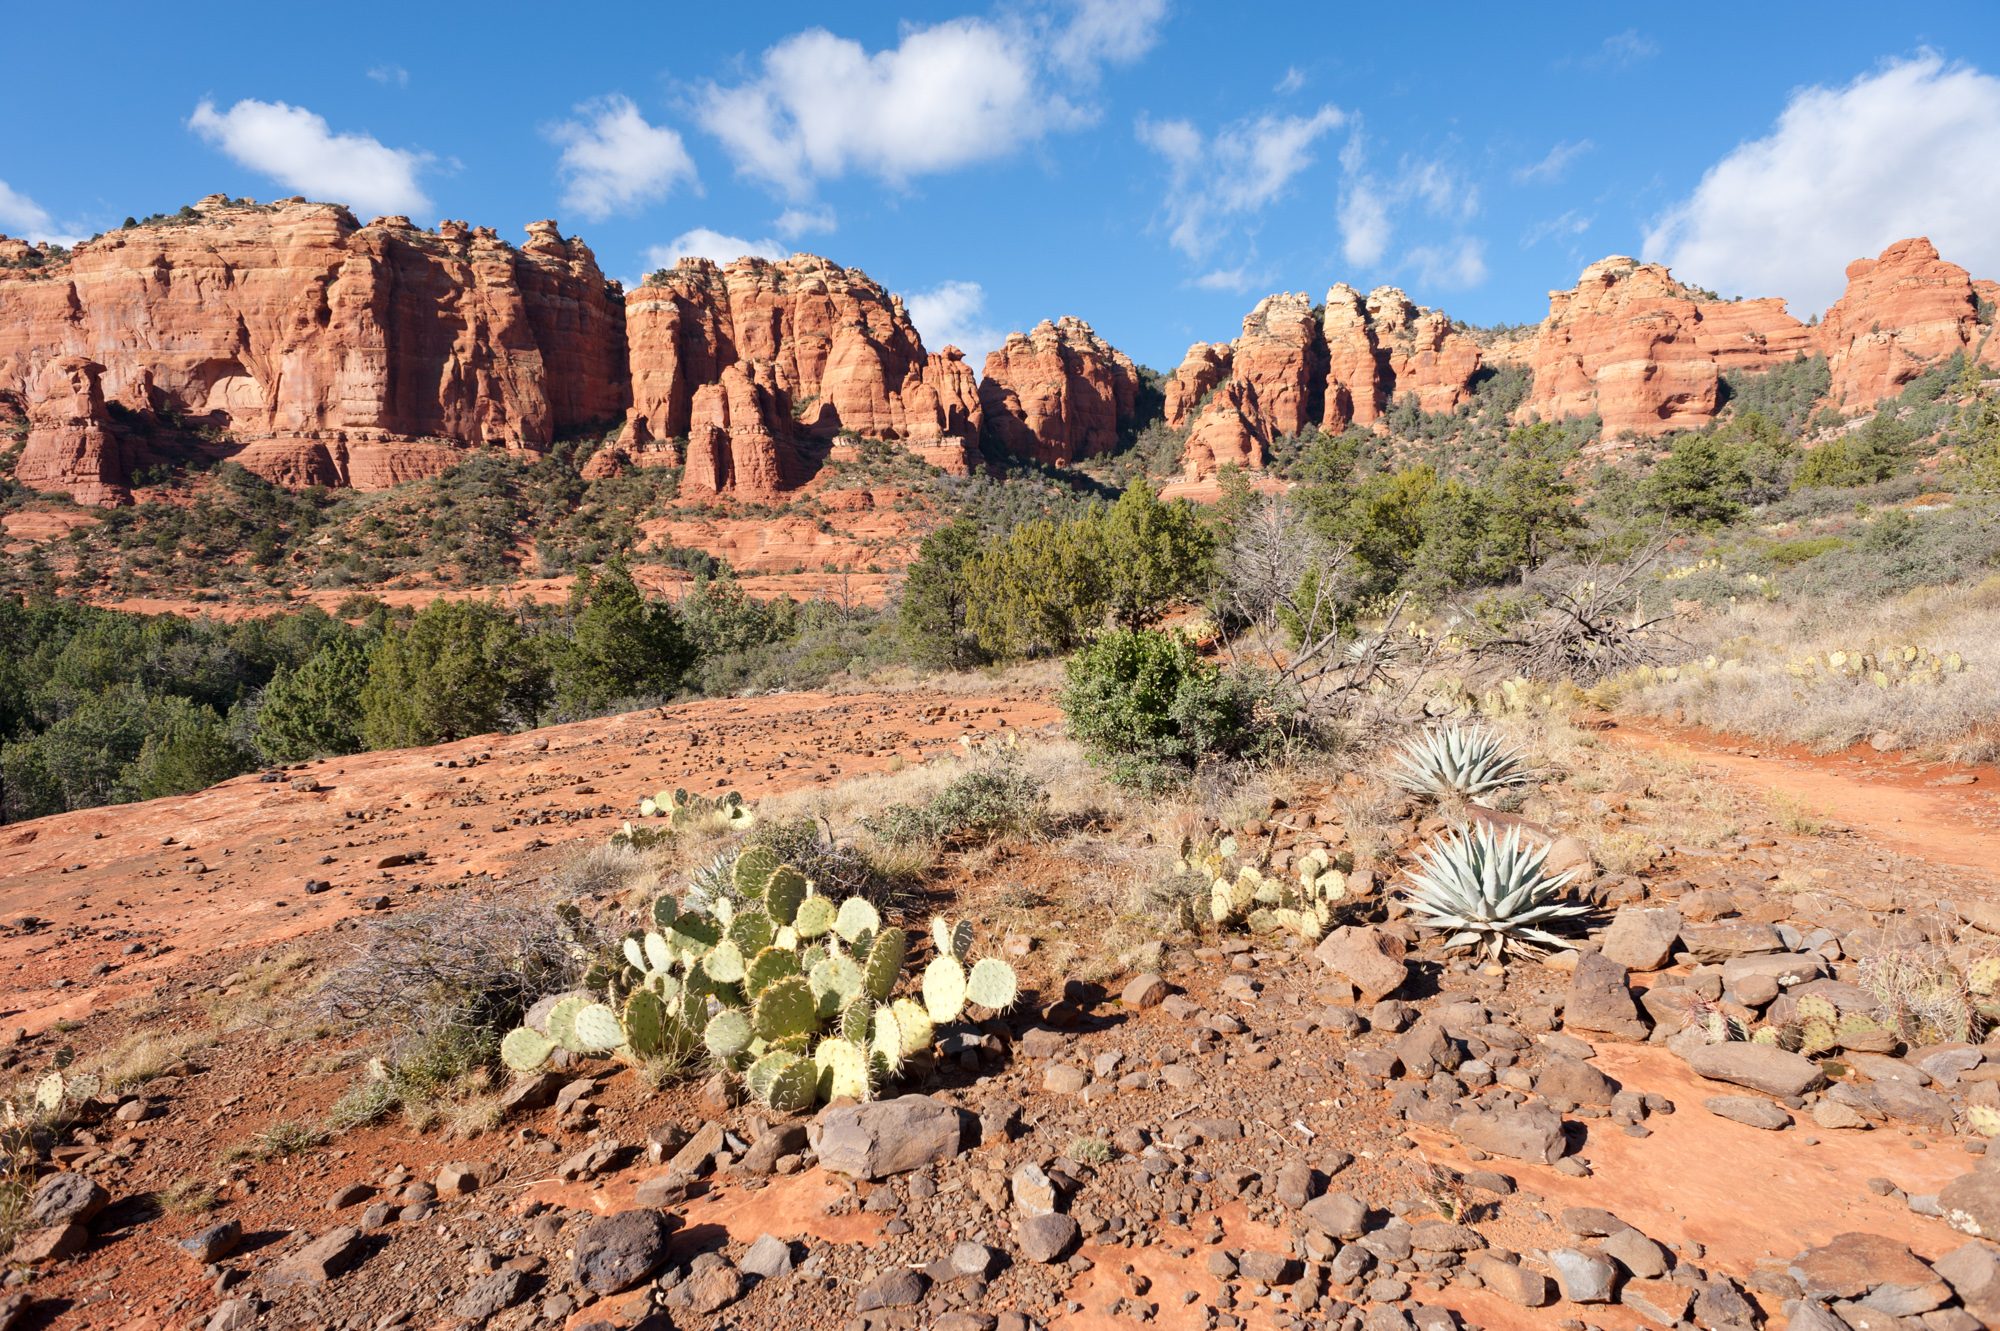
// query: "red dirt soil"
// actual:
[[226, 868]]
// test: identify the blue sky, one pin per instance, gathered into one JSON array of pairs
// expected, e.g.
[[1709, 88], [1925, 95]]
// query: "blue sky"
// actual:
[[1152, 166]]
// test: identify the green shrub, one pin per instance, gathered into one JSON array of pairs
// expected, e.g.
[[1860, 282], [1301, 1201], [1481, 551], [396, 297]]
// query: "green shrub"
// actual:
[[993, 799], [1143, 703], [314, 711], [461, 668]]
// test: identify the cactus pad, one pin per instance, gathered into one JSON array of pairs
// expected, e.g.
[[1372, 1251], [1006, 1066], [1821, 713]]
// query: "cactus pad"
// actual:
[[786, 1007], [815, 917], [645, 1023], [843, 1070], [772, 963], [728, 1034], [944, 989], [835, 982], [665, 909], [753, 871], [752, 930], [598, 1028], [914, 1025], [724, 962], [992, 984], [784, 894], [524, 1050], [855, 919], [562, 1021], [885, 963]]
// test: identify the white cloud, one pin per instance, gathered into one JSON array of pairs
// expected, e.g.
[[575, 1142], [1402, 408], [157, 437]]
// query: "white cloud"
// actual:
[[1844, 172], [954, 314], [1241, 278], [1372, 209], [1459, 264], [1107, 31], [947, 96], [703, 243], [1293, 79], [1364, 224], [1244, 166], [795, 222], [1554, 163], [24, 219], [1568, 224], [388, 74], [1621, 49], [613, 161], [296, 148]]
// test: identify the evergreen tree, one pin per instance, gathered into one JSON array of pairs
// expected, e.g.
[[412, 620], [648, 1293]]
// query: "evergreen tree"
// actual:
[[1155, 554], [315, 710], [621, 645], [461, 668], [931, 615]]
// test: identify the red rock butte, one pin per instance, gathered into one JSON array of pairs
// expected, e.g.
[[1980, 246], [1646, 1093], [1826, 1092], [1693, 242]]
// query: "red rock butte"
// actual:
[[315, 350]]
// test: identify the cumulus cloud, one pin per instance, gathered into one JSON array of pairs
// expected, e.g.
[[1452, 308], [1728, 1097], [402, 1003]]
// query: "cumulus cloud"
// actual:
[[702, 243], [796, 222], [823, 106], [1107, 32], [24, 219], [1844, 172], [613, 161], [954, 314], [1556, 161], [949, 95], [296, 148], [1454, 266], [1374, 207], [1215, 180]]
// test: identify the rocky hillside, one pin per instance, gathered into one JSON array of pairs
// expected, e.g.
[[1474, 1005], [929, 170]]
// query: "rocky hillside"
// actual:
[[318, 351]]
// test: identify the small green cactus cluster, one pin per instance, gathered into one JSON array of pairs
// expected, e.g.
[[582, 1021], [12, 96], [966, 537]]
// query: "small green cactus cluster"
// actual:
[[1244, 895], [1262, 903], [1463, 760], [787, 989], [1814, 1028], [699, 813], [1888, 668]]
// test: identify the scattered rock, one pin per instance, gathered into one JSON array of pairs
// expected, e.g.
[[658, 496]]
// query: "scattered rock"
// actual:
[[1642, 938], [1046, 1238], [1368, 958], [901, 1288], [1585, 1277], [769, 1257], [325, 1257], [1748, 1110], [1600, 1000], [1761, 1067], [1879, 1272], [884, 1137], [65, 1198], [490, 1295], [1526, 1132], [616, 1252]]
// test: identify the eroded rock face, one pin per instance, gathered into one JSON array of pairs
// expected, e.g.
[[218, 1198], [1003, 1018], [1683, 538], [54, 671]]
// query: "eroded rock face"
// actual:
[[1059, 392], [839, 348], [1646, 353], [1902, 312], [71, 445], [740, 435], [1296, 368], [293, 325]]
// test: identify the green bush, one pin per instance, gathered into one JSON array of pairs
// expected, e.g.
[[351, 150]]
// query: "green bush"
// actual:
[[461, 668], [1143, 703], [993, 799], [314, 711]]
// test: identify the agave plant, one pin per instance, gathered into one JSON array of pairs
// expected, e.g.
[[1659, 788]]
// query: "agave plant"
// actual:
[[1464, 760], [1490, 891]]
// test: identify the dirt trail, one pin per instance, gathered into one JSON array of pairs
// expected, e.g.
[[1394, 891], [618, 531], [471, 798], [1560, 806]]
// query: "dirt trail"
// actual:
[[99, 903], [1941, 813]]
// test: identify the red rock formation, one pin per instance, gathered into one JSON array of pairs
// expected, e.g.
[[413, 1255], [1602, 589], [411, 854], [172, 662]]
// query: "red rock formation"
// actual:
[[292, 322], [1427, 356], [1645, 352], [740, 435], [71, 444], [1205, 365], [1058, 393], [1230, 432], [939, 414], [1281, 357], [1901, 313]]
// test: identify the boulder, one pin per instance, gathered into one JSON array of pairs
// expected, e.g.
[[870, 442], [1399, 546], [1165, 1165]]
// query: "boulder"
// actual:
[[1761, 1067], [884, 1137], [617, 1251], [1878, 1272], [1601, 1001], [1369, 958], [1529, 1132], [1642, 938]]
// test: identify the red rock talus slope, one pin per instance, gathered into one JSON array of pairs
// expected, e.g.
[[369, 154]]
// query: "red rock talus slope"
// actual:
[[313, 348], [1059, 392], [1902, 313], [1295, 368], [1646, 353], [839, 348]]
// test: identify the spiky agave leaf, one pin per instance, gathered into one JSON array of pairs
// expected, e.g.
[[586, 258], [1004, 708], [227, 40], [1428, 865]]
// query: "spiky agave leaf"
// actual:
[[1465, 760], [1489, 890]]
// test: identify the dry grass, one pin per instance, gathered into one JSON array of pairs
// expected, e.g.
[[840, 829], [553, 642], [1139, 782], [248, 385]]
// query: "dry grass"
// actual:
[[1957, 718], [141, 1057]]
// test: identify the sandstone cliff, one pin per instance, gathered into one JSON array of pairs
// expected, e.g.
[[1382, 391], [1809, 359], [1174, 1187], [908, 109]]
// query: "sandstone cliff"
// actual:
[[1294, 367], [1645, 352], [291, 337], [838, 346], [1058, 393], [1902, 313]]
